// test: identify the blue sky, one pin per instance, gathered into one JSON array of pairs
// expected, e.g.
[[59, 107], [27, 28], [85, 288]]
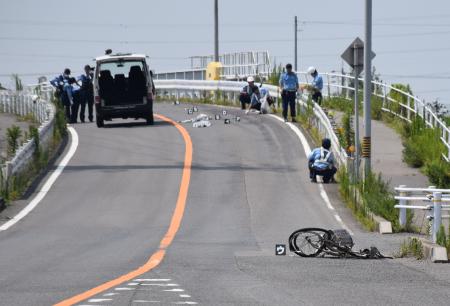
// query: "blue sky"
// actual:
[[411, 38]]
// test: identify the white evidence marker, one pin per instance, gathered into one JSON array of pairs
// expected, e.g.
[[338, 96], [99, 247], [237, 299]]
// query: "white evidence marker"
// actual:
[[224, 112]]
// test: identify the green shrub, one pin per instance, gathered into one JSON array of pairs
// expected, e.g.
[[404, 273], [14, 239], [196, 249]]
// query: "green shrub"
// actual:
[[376, 106], [13, 135], [411, 247], [379, 199], [412, 154], [441, 238], [438, 172]]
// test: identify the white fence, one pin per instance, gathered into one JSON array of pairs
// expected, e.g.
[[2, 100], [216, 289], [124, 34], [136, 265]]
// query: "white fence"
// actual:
[[34, 101], [406, 107]]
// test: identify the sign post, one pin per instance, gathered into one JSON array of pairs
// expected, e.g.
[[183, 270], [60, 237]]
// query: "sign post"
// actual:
[[366, 148], [354, 56]]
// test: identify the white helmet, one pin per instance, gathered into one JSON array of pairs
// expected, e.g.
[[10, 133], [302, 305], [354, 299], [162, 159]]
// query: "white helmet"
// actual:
[[311, 70], [250, 79]]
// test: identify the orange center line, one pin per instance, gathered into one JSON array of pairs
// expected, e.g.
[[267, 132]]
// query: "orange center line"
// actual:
[[175, 223]]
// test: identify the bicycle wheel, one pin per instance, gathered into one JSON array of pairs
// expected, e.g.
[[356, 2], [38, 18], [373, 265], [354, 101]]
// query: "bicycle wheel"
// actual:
[[308, 242]]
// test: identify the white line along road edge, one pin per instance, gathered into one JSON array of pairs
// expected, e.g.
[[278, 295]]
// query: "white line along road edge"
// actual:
[[323, 193], [48, 184]]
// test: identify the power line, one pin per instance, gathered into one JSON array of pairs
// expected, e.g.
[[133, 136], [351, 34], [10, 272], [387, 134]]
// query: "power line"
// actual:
[[84, 57]]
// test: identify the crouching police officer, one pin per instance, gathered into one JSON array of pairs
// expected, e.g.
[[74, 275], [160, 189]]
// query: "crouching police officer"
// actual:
[[247, 92], [321, 162]]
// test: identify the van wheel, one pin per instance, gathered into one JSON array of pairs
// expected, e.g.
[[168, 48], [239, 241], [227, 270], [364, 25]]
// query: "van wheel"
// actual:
[[150, 120], [100, 122]]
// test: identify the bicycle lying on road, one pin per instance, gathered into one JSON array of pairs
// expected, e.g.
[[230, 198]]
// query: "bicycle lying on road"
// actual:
[[312, 242]]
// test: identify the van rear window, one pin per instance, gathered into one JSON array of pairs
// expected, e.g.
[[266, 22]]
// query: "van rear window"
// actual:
[[121, 67]]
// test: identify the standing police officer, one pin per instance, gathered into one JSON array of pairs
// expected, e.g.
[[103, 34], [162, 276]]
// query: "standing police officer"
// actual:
[[289, 87], [87, 93]]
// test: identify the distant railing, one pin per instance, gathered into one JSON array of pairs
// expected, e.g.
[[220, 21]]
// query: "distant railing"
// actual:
[[177, 89], [406, 107]]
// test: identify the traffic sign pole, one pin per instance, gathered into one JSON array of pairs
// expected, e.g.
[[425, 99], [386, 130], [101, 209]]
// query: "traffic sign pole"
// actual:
[[356, 71], [366, 152]]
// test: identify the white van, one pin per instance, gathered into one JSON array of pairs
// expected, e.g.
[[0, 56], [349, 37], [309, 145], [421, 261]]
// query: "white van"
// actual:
[[123, 88]]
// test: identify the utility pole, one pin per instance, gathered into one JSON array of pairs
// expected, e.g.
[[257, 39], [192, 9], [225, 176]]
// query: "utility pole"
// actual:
[[366, 145], [216, 30], [295, 43]]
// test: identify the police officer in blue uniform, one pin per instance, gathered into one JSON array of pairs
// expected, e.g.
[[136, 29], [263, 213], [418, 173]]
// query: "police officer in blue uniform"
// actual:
[[247, 92], [87, 93], [73, 93], [60, 83], [321, 162], [316, 85], [289, 87]]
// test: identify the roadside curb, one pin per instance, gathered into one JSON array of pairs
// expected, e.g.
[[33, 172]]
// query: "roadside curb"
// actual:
[[433, 251]]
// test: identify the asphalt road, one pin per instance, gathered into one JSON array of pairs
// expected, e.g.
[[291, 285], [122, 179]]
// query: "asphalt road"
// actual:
[[249, 189]]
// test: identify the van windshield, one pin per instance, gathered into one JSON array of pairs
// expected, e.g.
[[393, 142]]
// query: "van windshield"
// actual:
[[121, 67]]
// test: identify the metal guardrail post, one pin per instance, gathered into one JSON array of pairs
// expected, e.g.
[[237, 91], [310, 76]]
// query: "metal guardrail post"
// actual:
[[329, 86], [409, 108], [437, 216], [402, 212]]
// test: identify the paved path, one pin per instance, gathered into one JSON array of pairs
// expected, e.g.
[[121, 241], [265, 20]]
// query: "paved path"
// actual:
[[249, 189], [387, 157]]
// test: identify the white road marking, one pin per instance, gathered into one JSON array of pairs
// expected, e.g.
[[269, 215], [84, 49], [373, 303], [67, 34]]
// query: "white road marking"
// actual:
[[123, 289], [152, 280], [161, 285], [174, 290], [110, 294], [98, 300], [145, 301], [132, 284], [307, 149], [185, 303], [48, 184], [185, 295]]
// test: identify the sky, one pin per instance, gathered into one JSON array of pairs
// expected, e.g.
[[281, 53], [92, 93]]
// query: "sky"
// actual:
[[410, 37]]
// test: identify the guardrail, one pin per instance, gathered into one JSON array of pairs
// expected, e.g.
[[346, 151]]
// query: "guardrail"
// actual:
[[438, 200], [406, 107], [33, 100], [177, 89]]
